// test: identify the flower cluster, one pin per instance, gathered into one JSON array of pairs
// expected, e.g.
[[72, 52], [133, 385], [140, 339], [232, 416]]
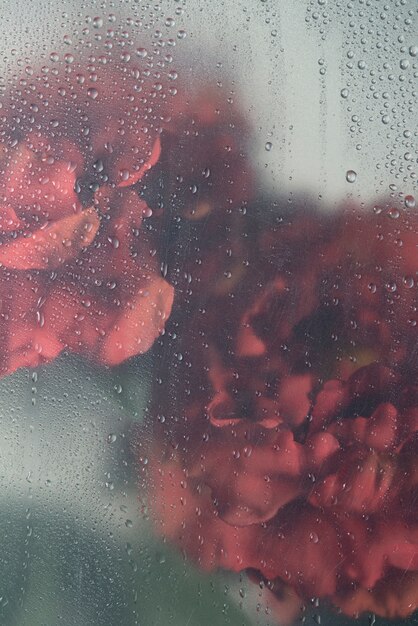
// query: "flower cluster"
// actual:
[[292, 450], [289, 448], [80, 210]]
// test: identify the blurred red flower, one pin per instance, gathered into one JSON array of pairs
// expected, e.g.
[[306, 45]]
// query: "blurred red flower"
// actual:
[[80, 227], [292, 451], [77, 265]]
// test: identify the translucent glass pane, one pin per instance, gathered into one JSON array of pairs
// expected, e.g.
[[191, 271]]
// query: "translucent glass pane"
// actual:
[[208, 309]]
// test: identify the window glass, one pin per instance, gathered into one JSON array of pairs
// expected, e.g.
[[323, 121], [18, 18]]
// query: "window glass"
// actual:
[[208, 309]]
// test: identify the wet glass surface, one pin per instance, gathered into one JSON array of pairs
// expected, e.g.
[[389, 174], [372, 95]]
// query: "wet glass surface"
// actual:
[[208, 309]]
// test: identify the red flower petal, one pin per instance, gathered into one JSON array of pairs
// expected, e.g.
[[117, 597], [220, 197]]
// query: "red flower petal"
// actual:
[[254, 498], [381, 427], [293, 398], [53, 245], [328, 403], [394, 597], [34, 185], [248, 344], [361, 484], [134, 177], [319, 448], [139, 323], [26, 340], [301, 547], [8, 219], [396, 543]]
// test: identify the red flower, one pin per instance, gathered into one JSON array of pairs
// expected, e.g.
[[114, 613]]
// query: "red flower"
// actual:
[[78, 266], [292, 451]]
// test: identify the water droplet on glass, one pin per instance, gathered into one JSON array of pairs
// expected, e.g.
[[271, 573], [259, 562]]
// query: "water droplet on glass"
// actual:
[[124, 174], [351, 176], [394, 213], [268, 146], [410, 202], [344, 93], [98, 165], [141, 52], [408, 282], [97, 22], [92, 93]]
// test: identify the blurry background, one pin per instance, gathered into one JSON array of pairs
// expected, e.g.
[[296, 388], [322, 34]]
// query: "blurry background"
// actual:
[[330, 89]]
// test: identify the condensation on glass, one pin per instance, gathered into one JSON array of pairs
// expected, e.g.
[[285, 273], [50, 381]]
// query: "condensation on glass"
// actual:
[[208, 309]]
